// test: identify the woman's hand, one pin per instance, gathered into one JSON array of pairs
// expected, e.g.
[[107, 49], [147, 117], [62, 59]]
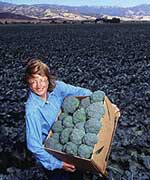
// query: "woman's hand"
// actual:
[[68, 167]]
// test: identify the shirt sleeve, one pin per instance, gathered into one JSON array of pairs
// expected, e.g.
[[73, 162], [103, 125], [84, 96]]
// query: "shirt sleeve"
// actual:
[[70, 90], [34, 142]]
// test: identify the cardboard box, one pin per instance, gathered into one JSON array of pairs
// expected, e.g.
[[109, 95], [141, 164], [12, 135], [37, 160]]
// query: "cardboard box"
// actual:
[[98, 162]]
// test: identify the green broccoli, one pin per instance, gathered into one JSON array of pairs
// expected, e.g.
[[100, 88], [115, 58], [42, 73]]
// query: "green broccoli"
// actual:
[[70, 148], [56, 136], [70, 104], [85, 102], [80, 125], [58, 147], [57, 127], [62, 116], [85, 151], [90, 139], [79, 116], [92, 126], [65, 134], [53, 144], [67, 122], [77, 136], [50, 142], [97, 96], [95, 110]]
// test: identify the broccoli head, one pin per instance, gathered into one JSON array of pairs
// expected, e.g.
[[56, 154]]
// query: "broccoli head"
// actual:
[[58, 147], [54, 144], [65, 134], [70, 148], [97, 96], [79, 116], [85, 102], [50, 143], [56, 136], [77, 136], [85, 151], [92, 126], [57, 127], [70, 104], [90, 139], [95, 110], [67, 122], [80, 125], [62, 116]]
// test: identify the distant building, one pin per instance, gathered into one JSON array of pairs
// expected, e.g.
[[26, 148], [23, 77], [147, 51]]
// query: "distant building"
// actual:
[[105, 20]]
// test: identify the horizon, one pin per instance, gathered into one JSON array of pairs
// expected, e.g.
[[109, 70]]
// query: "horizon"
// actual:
[[118, 3]]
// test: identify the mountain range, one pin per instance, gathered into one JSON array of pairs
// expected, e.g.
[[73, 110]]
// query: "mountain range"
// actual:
[[47, 11]]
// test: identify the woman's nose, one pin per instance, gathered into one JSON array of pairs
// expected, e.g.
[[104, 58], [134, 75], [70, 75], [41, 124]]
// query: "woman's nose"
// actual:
[[38, 84]]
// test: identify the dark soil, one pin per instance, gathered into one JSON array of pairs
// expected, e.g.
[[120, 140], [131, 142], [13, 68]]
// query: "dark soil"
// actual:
[[114, 58]]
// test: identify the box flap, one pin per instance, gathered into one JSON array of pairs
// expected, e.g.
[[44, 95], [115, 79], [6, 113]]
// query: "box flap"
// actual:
[[80, 163], [102, 148]]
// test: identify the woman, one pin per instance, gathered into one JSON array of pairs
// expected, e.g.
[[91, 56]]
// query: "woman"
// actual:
[[42, 108]]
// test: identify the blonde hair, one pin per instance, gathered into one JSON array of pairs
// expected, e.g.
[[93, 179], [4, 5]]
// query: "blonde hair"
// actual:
[[36, 66]]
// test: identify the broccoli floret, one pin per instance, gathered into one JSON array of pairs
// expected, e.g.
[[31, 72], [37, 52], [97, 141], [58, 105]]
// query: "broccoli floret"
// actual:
[[56, 136], [85, 102], [85, 151], [90, 139], [70, 148], [62, 116], [67, 122], [52, 140], [65, 134], [70, 104], [97, 96], [53, 143], [58, 147], [95, 110], [79, 116], [77, 136], [50, 143], [80, 125], [92, 126], [57, 127]]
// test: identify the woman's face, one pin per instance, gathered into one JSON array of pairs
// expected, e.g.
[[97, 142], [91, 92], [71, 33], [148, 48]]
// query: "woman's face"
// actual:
[[39, 85]]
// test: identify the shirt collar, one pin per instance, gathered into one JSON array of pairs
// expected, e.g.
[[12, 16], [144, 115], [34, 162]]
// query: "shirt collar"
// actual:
[[38, 99]]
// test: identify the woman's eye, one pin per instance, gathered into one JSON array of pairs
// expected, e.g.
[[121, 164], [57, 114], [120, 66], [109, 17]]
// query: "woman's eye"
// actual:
[[33, 82], [43, 80]]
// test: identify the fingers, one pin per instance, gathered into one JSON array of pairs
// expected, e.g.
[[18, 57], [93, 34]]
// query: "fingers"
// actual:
[[71, 170], [68, 167]]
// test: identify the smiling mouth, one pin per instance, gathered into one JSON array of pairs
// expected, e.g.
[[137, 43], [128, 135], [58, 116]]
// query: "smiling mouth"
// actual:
[[41, 89]]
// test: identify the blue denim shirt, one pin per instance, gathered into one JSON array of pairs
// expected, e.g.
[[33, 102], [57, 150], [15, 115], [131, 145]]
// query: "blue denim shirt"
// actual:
[[40, 116]]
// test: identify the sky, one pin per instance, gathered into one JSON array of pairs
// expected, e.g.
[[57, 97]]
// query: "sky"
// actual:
[[121, 3]]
